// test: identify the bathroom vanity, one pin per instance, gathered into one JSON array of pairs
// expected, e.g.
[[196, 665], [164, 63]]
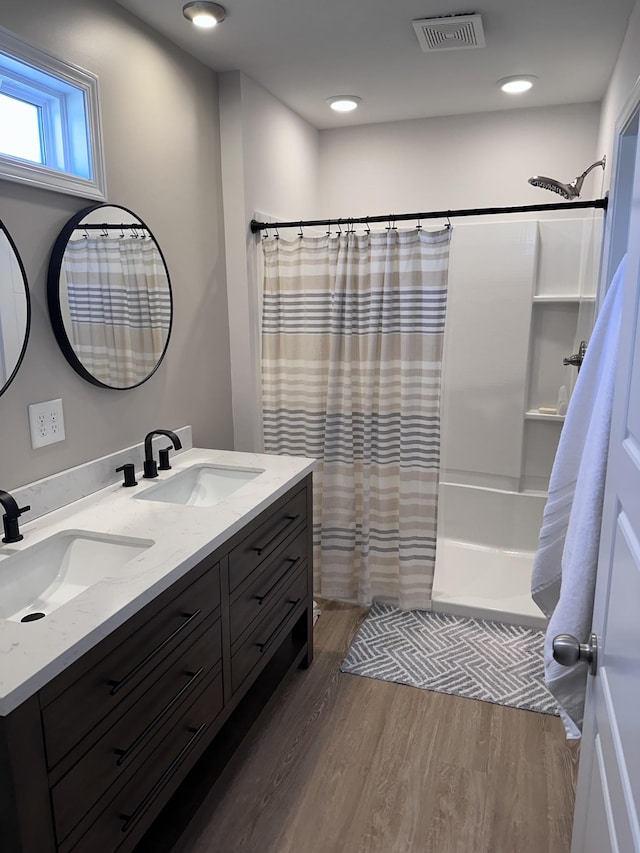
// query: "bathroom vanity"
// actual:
[[125, 685]]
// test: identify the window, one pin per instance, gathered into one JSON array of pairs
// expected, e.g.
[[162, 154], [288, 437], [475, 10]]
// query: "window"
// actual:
[[49, 121]]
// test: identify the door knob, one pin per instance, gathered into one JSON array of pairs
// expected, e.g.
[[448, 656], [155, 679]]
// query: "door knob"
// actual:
[[568, 651]]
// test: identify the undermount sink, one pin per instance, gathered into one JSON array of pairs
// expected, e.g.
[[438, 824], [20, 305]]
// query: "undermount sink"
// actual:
[[36, 581], [200, 485]]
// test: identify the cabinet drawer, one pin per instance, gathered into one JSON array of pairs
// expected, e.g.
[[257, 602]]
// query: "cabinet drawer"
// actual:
[[135, 734], [264, 584], [265, 634], [138, 802], [132, 656], [263, 539]]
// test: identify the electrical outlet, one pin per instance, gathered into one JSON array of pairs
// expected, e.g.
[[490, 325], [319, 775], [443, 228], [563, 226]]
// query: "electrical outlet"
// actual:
[[46, 422]]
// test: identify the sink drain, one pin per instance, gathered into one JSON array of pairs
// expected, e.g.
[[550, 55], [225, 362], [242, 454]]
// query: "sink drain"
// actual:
[[31, 617]]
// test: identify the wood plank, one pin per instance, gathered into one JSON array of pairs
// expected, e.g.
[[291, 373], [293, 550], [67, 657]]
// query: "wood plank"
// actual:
[[338, 762]]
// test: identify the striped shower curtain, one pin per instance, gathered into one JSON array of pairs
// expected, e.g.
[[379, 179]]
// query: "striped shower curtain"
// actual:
[[352, 337], [118, 305]]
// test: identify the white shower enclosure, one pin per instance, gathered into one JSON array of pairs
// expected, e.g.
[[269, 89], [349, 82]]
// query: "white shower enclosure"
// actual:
[[521, 298]]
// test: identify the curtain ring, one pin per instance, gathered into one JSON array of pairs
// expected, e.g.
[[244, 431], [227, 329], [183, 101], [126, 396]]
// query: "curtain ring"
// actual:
[[367, 227], [277, 234], [339, 231], [329, 228], [300, 232], [85, 234], [448, 221], [121, 232], [419, 225], [105, 233]]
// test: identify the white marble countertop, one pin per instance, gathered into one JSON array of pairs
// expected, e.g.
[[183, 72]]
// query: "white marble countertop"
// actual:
[[33, 653]]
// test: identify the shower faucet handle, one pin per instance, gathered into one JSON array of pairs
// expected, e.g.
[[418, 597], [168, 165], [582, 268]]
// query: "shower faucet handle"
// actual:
[[577, 359]]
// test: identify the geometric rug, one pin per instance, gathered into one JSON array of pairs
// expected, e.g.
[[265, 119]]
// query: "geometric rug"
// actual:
[[475, 658]]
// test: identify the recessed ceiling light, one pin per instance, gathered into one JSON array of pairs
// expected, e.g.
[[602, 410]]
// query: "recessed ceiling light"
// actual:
[[517, 84], [203, 14], [344, 103]]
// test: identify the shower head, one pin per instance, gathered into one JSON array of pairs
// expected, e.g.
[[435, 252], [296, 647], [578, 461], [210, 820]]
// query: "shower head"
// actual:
[[568, 191]]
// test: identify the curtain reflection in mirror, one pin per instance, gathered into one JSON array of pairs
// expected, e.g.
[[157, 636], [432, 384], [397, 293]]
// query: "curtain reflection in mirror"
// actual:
[[13, 310], [118, 305], [3, 365]]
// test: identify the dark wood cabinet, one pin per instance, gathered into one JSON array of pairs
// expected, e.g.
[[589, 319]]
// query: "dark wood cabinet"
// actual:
[[88, 762]]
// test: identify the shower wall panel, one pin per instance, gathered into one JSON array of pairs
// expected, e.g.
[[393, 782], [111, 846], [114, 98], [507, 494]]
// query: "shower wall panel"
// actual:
[[517, 296], [486, 362]]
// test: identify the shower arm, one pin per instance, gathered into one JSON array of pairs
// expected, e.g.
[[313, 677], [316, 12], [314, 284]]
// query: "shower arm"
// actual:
[[577, 184], [591, 167]]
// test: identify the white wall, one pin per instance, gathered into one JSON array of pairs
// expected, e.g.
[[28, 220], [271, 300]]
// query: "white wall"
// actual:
[[456, 162], [161, 141], [625, 74], [269, 166]]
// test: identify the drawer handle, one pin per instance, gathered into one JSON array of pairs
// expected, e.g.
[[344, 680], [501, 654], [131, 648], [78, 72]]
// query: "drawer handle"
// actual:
[[287, 523], [118, 685], [162, 781], [274, 633], [123, 754], [292, 562]]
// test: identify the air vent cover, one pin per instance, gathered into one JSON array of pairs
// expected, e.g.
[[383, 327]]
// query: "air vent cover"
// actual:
[[450, 32]]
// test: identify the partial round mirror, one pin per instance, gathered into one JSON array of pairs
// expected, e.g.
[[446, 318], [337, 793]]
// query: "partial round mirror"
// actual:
[[109, 297], [15, 310]]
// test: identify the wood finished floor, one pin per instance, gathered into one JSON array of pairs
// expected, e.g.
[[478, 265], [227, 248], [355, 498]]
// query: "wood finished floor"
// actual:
[[337, 763]]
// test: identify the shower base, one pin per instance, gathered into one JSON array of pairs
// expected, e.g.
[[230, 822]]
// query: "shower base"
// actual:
[[485, 583]]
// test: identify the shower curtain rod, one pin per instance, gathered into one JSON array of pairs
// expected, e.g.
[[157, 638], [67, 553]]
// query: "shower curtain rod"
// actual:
[[434, 214], [110, 226]]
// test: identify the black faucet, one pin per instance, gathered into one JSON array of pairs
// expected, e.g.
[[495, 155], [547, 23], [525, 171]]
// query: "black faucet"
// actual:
[[150, 466], [10, 517]]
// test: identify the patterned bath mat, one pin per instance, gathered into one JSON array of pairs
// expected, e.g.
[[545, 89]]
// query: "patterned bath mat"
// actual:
[[475, 658]]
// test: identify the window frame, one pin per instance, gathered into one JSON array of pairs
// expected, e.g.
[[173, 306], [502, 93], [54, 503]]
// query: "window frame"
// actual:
[[57, 149]]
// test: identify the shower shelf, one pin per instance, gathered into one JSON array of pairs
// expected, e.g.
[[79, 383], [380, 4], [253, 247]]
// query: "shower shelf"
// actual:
[[563, 297], [532, 415]]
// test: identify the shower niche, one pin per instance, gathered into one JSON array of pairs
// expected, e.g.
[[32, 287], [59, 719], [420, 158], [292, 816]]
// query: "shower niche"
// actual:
[[521, 298]]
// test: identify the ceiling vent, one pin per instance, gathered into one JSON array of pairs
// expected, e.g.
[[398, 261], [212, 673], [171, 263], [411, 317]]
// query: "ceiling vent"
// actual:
[[450, 32]]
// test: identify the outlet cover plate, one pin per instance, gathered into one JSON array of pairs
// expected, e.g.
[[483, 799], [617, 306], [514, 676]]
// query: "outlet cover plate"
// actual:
[[46, 422]]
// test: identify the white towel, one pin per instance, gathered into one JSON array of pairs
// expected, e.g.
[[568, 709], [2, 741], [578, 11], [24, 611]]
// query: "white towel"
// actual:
[[564, 572]]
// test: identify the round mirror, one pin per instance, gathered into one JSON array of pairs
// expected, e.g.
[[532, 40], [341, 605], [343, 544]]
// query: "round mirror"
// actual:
[[110, 297], [15, 310]]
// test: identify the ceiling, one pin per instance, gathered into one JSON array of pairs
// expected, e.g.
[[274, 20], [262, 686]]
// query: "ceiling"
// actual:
[[304, 51]]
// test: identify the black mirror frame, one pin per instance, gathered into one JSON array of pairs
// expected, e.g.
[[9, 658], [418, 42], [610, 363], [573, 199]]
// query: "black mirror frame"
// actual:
[[5, 231], [53, 296]]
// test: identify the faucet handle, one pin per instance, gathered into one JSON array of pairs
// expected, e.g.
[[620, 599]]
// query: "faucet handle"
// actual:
[[12, 513], [129, 474], [163, 454], [11, 528]]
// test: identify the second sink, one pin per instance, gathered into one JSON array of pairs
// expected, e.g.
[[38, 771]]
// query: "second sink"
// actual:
[[37, 580], [200, 485]]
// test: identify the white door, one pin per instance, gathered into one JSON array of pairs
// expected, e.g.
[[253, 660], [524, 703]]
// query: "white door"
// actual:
[[608, 794]]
